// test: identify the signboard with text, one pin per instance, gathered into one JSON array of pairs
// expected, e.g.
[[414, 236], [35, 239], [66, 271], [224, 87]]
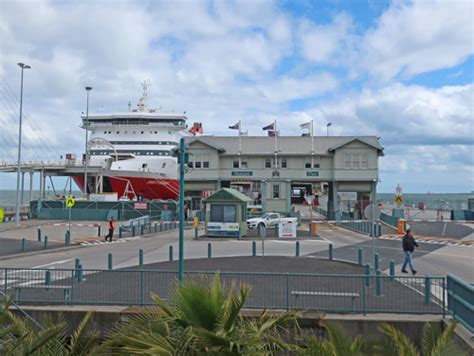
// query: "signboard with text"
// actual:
[[216, 226], [140, 206], [287, 229]]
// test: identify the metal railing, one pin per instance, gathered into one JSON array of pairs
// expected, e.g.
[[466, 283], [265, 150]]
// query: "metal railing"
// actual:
[[390, 220], [363, 227], [287, 291], [461, 301]]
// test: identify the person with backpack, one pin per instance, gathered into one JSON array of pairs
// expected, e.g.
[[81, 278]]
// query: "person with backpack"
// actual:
[[409, 245], [111, 229]]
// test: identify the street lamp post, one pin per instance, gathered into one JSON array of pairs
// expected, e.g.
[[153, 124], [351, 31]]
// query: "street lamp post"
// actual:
[[23, 66], [327, 128], [182, 159], [88, 89]]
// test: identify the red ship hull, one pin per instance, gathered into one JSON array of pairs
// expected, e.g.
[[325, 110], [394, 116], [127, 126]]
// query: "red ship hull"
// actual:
[[144, 187]]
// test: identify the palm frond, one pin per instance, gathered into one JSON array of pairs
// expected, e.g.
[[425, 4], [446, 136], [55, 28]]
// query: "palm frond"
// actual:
[[400, 341]]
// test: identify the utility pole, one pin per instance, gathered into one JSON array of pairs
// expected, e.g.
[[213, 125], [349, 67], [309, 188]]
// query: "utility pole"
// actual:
[[88, 89], [182, 158]]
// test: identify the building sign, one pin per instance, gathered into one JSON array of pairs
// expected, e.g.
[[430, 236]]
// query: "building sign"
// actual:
[[225, 227], [140, 206], [312, 174], [242, 173], [287, 229]]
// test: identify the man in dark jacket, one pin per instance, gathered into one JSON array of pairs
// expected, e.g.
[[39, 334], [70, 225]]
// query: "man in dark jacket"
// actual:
[[409, 244]]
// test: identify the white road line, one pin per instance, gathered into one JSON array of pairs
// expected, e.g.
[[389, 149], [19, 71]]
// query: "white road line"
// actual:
[[54, 263]]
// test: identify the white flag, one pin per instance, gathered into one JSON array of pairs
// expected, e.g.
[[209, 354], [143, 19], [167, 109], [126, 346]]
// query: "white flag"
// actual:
[[306, 125]]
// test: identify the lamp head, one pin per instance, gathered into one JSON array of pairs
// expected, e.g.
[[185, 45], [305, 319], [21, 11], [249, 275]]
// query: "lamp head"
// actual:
[[88, 88], [23, 65]]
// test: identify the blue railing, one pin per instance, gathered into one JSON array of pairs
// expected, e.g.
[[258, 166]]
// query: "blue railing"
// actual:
[[390, 220], [461, 301], [360, 293]]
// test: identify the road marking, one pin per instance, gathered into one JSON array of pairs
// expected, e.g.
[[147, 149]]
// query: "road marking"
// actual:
[[53, 263]]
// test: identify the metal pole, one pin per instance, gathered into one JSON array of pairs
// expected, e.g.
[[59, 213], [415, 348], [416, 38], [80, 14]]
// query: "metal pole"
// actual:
[[88, 89], [17, 219], [181, 210]]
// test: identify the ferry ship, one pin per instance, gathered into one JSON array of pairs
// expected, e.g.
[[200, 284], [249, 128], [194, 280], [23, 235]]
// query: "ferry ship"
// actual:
[[135, 150]]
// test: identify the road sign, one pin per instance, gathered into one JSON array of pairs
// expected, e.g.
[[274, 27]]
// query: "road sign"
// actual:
[[70, 202], [368, 212], [398, 199]]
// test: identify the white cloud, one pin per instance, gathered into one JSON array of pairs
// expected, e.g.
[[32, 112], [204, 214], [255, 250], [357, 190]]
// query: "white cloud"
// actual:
[[419, 36]]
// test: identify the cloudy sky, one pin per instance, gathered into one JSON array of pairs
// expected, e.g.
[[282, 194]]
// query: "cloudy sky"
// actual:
[[401, 70]]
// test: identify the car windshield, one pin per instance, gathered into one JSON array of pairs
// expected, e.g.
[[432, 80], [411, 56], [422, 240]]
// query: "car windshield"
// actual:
[[266, 215]]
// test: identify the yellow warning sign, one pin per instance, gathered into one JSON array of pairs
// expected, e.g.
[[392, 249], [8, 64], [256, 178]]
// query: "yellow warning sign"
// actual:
[[70, 202], [1, 215], [398, 199]]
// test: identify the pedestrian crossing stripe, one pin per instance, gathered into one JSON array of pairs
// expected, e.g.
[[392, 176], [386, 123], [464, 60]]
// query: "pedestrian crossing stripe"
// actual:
[[433, 240]]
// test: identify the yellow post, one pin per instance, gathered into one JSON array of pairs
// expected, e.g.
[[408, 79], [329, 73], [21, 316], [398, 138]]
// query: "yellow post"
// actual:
[[313, 229], [196, 222], [401, 227]]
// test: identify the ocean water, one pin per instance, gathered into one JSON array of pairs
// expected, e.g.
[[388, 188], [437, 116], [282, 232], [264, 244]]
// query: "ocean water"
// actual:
[[445, 201]]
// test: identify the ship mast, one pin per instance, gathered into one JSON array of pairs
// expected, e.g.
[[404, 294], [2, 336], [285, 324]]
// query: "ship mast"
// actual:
[[142, 101]]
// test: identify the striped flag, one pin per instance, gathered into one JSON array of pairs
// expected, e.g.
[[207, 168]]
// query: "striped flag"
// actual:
[[235, 127], [269, 127]]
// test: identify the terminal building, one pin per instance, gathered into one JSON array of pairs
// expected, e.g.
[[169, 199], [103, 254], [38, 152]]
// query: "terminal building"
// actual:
[[278, 172]]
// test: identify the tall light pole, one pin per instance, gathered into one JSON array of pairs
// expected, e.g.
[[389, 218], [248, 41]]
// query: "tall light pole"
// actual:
[[327, 128], [23, 66], [86, 124]]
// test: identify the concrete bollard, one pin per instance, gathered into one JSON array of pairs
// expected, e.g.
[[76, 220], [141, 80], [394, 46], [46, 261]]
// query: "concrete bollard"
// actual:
[[376, 261], [209, 250], [39, 234], [23, 245], [297, 252], [427, 290], [47, 278], [140, 258], [109, 261], [331, 253], [254, 248], [378, 283], [392, 269], [359, 256], [80, 274], [367, 275], [45, 245], [171, 254]]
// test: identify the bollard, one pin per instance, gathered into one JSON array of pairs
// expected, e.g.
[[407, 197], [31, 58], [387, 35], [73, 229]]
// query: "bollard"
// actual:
[[120, 232], [98, 231], [77, 262], [109, 261], [392, 269], [161, 226], [331, 253], [376, 261], [276, 230], [47, 278], [39, 234], [297, 253], [209, 250], [378, 283], [379, 230], [45, 242], [149, 228], [142, 229], [140, 257], [171, 254], [133, 230], [23, 245], [254, 248], [79, 273], [156, 227], [66, 235], [196, 234], [359, 256], [427, 289], [367, 275]]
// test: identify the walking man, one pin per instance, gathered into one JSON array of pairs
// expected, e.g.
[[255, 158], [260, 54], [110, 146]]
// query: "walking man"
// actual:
[[409, 244], [111, 229]]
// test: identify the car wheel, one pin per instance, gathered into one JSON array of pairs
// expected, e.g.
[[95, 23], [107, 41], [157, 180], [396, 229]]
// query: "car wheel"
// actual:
[[260, 226]]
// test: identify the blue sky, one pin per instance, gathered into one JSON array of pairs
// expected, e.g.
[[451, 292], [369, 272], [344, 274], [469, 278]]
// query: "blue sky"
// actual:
[[401, 70]]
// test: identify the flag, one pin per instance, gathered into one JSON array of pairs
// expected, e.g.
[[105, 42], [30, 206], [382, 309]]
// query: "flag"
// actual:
[[235, 127], [196, 129], [306, 125], [306, 134], [273, 133], [269, 127]]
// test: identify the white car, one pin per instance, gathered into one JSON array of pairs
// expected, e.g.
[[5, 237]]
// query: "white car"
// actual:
[[267, 220]]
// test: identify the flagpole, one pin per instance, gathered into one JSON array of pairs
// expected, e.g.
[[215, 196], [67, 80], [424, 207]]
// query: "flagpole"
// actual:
[[240, 144], [312, 146], [276, 143]]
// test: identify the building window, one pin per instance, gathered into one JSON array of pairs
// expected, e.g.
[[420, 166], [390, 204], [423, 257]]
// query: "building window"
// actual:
[[307, 165], [235, 163], [284, 163], [190, 164], [364, 161], [243, 164], [356, 161], [197, 164], [268, 162], [223, 213], [205, 164], [347, 160], [316, 165], [276, 191]]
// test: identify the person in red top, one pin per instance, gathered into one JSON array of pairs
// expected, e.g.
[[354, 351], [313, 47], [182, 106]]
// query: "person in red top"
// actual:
[[111, 229]]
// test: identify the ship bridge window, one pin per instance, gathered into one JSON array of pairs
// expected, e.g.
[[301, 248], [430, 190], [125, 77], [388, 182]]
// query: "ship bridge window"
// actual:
[[156, 132], [163, 165], [105, 132], [143, 132], [117, 132]]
